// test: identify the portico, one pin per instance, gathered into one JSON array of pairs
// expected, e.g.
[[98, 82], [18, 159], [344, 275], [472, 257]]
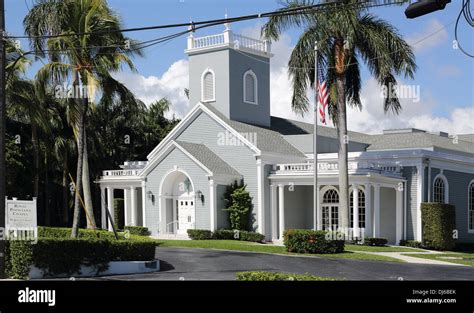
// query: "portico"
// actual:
[[134, 196], [371, 209]]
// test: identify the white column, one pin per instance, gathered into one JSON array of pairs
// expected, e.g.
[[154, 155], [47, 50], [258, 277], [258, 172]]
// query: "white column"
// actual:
[[368, 210], [144, 204], [110, 205], [133, 206], [126, 207], [281, 208], [319, 212], [102, 206], [273, 202], [212, 205], [355, 210], [419, 198], [260, 197], [376, 210], [399, 213]]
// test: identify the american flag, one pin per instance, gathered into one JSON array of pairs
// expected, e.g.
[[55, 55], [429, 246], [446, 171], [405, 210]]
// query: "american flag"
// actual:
[[323, 95]]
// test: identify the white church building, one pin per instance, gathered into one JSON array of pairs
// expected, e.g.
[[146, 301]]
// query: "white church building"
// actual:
[[229, 134]]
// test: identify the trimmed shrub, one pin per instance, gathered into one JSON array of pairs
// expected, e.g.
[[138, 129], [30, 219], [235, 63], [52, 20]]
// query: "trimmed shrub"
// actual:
[[199, 234], [226, 234], [411, 243], [137, 230], [377, 242], [64, 232], [438, 223], [311, 241], [119, 213], [251, 236], [239, 206], [65, 256], [271, 276]]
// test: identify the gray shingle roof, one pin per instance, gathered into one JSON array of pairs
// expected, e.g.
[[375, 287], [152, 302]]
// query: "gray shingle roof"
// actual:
[[266, 139], [418, 140], [291, 127], [273, 139], [208, 158]]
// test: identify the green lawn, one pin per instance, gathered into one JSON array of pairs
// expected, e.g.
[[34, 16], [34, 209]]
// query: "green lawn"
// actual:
[[267, 248], [445, 257], [381, 249]]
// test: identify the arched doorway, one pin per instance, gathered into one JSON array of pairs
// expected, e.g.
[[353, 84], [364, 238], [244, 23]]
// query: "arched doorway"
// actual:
[[177, 202], [330, 208]]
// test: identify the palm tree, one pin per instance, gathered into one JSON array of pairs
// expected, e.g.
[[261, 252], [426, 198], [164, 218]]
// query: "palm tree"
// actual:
[[85, 60], [345, 37]]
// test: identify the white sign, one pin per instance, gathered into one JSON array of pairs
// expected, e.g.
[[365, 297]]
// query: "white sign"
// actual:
[[20, 214]]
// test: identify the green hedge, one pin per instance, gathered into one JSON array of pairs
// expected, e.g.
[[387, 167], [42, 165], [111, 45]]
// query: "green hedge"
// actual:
[[377, 242], [199, 234], [411, 243], [119, 213], [271, 276], [225, 234], [311, 241], [65, 256], [438, 223], [64, 232], [137, 230]]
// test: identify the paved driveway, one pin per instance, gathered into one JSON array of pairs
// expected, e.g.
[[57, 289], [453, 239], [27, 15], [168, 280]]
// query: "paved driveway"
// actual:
[[204, 264]]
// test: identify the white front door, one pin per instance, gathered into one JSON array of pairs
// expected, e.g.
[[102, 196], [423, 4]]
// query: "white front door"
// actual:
[[185, 215]]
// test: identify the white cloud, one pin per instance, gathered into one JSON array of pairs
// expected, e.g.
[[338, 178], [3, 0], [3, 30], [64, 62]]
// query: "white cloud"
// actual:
[[371, 119], [433, 34], [170, 85], [421, 114]]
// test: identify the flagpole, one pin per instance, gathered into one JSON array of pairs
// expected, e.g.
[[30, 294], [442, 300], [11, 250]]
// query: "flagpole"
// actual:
[[316, 219]]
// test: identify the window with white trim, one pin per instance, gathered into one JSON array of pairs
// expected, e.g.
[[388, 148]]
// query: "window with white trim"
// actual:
[[470, 206], [208, 86], [250, 87], [439, 190], [361, 202]]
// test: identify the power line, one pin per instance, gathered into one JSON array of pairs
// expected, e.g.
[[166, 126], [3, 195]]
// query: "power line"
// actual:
[[466, 11], [298, 10]]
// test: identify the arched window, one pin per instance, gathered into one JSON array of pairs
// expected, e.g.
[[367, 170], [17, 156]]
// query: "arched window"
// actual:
[[330, 209], [470, 206], [361, 202], [440, 189], [208, 86], [250, 87]]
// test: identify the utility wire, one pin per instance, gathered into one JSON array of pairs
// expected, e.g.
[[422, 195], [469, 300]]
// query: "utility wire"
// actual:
[[466, 11], [298, 10]]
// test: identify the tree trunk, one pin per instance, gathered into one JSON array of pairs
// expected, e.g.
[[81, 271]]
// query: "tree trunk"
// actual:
[[34, 140], [87, 187], [65, 203], [342, 154], [80, 159], [47, 204], [342, 135]]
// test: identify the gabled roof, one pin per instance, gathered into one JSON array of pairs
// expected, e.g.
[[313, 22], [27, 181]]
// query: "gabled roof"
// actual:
[[267, 140], [208, 158]]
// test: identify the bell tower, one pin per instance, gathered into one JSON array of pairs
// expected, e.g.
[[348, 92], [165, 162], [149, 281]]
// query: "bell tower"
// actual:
[[231, 72]]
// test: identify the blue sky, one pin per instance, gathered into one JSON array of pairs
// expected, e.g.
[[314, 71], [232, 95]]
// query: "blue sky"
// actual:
[[445, 75]]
